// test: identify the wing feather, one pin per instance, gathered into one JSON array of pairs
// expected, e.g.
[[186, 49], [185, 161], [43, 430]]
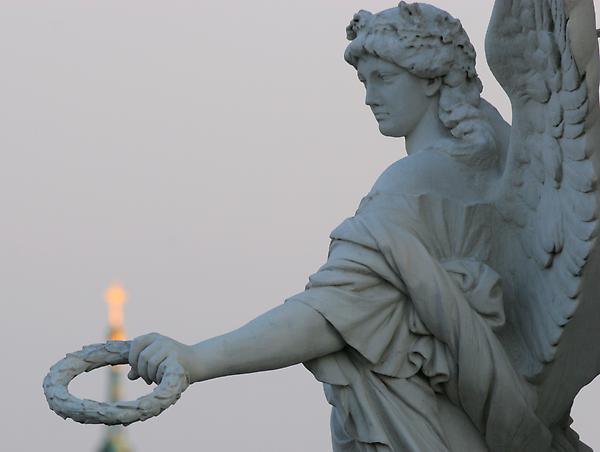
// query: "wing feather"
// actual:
[[549, 199]]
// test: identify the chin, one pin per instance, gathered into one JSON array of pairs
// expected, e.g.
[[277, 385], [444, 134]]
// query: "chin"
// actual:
[[390, 132]]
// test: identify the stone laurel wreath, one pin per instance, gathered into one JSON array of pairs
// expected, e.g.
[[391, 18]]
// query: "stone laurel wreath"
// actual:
[[91, 357]]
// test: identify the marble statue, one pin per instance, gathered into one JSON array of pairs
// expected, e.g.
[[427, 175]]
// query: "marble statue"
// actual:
[[459, 308]]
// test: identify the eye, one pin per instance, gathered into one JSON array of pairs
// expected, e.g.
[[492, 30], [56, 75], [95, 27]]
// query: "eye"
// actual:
[[387, 76]]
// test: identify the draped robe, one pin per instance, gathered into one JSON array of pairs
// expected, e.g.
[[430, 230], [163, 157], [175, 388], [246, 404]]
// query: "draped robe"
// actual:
[[407, 288]]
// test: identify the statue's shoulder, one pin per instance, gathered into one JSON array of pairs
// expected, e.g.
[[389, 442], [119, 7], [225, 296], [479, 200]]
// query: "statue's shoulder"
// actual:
[[434, 173], [408, 175]]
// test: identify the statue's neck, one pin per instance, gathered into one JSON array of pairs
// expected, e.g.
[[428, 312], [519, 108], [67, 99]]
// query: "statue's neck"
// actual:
[[428, 132]]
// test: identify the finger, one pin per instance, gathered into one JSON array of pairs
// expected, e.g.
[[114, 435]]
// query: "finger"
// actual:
[[156, 360], [137, 346], [145, 356], [133, 375], [160, 373]]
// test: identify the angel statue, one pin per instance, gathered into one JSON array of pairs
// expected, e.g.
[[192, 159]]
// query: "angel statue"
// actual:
[[459, 308]]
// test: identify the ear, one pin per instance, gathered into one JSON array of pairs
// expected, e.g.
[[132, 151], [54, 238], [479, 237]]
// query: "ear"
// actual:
[[432, 86]]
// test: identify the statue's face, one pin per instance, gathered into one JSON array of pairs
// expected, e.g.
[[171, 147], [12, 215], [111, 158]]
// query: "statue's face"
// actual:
[[397, 98]]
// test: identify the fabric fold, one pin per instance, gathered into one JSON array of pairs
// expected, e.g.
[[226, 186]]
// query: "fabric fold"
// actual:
[[406, 286]]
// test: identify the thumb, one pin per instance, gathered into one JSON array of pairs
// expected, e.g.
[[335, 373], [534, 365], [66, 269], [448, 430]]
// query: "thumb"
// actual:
[[133, 375]]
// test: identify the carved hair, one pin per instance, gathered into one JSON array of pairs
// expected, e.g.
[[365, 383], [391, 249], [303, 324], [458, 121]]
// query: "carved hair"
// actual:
[[429, 43]]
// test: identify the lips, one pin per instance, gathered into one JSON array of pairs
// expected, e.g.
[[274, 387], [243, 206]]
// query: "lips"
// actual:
[[381, 115]]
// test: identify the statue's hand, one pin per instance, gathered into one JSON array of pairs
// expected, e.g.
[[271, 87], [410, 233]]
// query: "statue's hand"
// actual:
[[150, 353]]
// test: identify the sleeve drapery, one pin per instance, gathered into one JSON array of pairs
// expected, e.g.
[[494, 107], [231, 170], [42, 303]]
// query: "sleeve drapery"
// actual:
[[406, 290]]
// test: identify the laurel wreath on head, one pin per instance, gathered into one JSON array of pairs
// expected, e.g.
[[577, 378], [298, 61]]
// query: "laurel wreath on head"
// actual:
[[63, 403]]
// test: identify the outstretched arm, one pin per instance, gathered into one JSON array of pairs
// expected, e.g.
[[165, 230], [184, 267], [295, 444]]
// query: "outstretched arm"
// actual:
[[289, 334]]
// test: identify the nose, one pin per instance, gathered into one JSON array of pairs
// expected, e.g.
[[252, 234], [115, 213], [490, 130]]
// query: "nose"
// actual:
[[371, 96]]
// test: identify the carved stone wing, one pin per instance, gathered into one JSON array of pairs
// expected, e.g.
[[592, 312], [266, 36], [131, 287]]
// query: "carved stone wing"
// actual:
[[545, 55]]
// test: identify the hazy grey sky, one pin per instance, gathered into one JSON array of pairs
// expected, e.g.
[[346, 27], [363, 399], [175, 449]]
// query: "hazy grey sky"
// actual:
[[199, 152]]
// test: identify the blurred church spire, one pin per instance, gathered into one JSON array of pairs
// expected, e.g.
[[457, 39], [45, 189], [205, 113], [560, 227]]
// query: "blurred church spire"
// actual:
[[115, 439]]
